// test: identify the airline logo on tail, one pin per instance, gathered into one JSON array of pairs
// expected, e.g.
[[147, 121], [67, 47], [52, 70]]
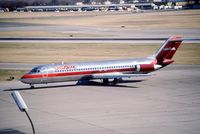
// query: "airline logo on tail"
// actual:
[[169, 49]]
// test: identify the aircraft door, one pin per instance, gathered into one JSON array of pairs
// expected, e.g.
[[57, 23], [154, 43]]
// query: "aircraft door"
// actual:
[[44, 74]]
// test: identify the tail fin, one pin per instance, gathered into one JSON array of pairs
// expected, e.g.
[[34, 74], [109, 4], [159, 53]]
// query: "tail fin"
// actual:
[[167, 50]]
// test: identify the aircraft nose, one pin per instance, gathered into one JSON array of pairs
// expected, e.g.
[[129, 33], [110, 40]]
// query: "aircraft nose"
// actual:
[[24, 76], [24, 79]]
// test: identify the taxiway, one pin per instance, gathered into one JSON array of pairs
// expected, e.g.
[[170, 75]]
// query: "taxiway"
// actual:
[[167, 102]]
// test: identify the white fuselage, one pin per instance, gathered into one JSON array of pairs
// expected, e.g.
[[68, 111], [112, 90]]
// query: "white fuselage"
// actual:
[[84, 70]]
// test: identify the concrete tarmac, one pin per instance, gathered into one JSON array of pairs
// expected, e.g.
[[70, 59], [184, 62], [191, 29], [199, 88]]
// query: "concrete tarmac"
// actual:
[[167, 102]]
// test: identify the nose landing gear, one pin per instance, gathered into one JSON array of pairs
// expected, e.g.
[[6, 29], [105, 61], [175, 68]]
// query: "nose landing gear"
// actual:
[[32, 86]]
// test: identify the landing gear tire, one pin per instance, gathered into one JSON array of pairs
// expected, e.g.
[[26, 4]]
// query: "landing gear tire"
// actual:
[[105, 81], [115, 81]]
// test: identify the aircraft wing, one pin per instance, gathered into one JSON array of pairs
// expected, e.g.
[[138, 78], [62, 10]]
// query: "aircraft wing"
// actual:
[[116, 75]]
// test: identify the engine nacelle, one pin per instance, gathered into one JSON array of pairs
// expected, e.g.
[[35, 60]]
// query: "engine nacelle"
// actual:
[[147, 67]]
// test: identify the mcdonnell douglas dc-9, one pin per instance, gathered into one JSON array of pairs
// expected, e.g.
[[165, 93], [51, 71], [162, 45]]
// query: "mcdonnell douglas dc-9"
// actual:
[[113, 70]]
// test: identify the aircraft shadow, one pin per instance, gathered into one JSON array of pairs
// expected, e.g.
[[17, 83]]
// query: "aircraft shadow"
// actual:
[[82, 83], [110, 84], [10, 131]]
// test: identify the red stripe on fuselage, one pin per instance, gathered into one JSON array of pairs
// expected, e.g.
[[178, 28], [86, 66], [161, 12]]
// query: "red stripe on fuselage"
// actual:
[[27, 76]]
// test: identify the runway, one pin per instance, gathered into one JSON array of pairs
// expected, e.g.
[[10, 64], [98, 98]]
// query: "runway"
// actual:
[[17, 66], [167, 102], [102, 32], [90, 40]]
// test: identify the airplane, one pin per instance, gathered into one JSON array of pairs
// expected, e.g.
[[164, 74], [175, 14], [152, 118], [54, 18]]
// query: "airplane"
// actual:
[[113, 70]]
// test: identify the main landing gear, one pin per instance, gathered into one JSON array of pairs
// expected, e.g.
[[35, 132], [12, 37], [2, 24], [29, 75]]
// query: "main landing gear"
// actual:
[[105, 81], [115, 81]]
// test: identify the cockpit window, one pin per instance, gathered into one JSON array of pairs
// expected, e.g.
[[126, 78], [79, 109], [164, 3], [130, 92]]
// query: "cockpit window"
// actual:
[[35, 70]]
